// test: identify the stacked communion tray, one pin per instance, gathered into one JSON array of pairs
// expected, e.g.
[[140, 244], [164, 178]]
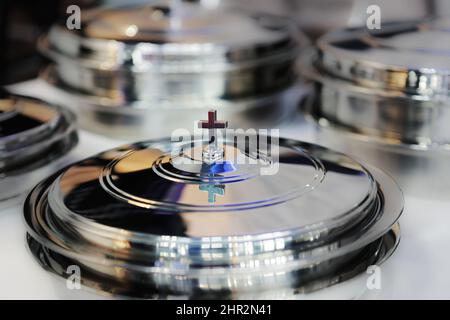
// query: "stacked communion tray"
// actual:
[[214, 218], [143, 70], [33, 136], [383, 96]]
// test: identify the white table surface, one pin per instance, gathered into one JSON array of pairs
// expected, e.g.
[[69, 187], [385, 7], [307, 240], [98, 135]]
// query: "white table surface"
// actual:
[[419, 269]]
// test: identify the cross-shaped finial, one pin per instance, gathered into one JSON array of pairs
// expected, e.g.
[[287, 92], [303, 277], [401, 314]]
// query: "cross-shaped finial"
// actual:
[[212, 122], [213, 189], [212, 152]]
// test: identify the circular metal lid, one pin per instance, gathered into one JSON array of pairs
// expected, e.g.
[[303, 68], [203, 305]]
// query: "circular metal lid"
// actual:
[[186, 217], [313, 188], [32, 132], [412, 57], [144, 185], [186, 35], [207, 216]]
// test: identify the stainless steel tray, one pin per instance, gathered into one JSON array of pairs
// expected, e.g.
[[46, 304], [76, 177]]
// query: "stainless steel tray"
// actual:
[[138, 222], [33, 136], [382, 97], [155, 61]]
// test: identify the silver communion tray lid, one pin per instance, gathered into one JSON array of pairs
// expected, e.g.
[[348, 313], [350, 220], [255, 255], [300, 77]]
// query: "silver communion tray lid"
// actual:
[[388, 86], [159, 219], [33, 134], [383, 96], [411, 57], [133, 64], [183, 37]]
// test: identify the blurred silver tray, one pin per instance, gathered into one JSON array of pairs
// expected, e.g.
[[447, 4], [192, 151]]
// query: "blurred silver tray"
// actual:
[[132, 67], [33, 136], [386, 104]]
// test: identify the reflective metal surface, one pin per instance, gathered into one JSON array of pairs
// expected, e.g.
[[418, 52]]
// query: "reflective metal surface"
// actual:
[[141, 223], [150, 61], [32, 134], [304, 283], [317, 18], [383, 97], [411, 57]]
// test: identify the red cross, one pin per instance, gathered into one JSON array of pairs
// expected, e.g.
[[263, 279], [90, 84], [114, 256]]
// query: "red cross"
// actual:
[[212, 122]]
